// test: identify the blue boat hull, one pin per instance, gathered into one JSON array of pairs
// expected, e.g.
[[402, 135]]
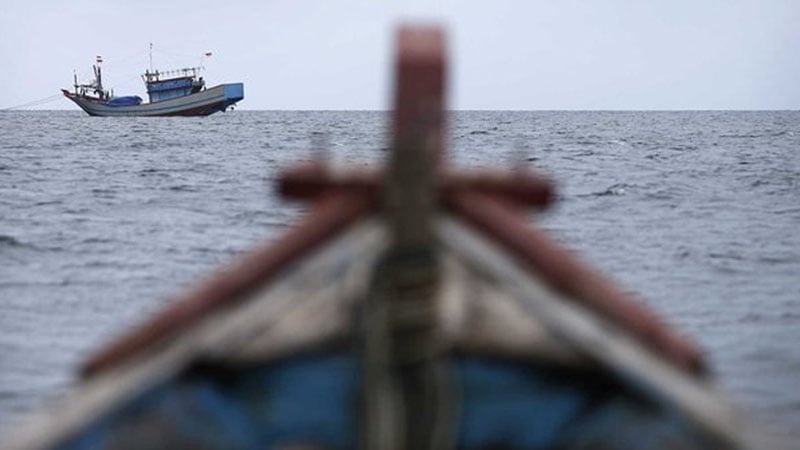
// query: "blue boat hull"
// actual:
[[204, 103]]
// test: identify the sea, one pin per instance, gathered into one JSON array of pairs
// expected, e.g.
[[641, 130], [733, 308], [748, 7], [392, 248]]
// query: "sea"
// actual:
[[103, 220]]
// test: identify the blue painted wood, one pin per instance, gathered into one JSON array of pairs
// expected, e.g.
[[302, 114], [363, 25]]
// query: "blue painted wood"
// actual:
[[313, 399]]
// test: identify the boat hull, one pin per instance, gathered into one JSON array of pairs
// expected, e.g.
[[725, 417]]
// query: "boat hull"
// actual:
[[204, 103]]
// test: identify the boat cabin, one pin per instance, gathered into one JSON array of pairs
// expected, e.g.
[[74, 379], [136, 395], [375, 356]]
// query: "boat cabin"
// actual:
[[172, 84]]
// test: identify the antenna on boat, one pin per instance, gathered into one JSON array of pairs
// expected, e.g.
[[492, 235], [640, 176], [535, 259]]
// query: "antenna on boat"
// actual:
[[75, 80], [151, 57]]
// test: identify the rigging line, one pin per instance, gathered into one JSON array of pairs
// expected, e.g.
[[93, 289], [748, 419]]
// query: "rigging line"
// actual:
[[41, 101]]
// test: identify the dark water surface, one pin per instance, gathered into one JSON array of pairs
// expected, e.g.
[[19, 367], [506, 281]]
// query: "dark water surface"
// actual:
[[101, 220]]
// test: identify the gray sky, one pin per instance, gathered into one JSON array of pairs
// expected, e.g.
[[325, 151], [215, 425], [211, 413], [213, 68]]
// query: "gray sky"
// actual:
[[329, 54]]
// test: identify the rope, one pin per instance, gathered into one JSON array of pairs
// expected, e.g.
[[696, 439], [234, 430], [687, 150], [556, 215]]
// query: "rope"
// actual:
[[41, 101]]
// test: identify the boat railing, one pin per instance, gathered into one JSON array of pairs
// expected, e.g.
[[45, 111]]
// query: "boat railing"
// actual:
[[156, 76]]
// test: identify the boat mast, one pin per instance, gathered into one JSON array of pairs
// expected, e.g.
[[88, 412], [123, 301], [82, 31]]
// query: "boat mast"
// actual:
[[98, 75], [151, 57]]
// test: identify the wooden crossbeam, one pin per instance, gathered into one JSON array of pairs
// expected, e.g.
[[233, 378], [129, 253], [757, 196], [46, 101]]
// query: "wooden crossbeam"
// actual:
[[311, 182]]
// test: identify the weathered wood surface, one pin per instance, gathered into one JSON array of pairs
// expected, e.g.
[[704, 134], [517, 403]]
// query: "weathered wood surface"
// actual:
[[405, 387], [478, 317], [313, 181]]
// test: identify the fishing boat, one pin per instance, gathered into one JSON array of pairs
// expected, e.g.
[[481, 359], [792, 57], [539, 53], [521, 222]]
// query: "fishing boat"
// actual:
[[414, 306], [179, 92]]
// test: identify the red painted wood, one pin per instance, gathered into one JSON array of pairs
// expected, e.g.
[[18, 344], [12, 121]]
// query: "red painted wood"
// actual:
[[523, 189], [419, 105]]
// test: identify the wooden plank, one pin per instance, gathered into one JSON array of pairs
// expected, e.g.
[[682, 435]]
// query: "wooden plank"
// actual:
[[312, 181], [404, 389], [477, 317]]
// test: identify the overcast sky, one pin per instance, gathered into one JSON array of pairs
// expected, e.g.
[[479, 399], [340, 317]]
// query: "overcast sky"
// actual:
[[328, 54]]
